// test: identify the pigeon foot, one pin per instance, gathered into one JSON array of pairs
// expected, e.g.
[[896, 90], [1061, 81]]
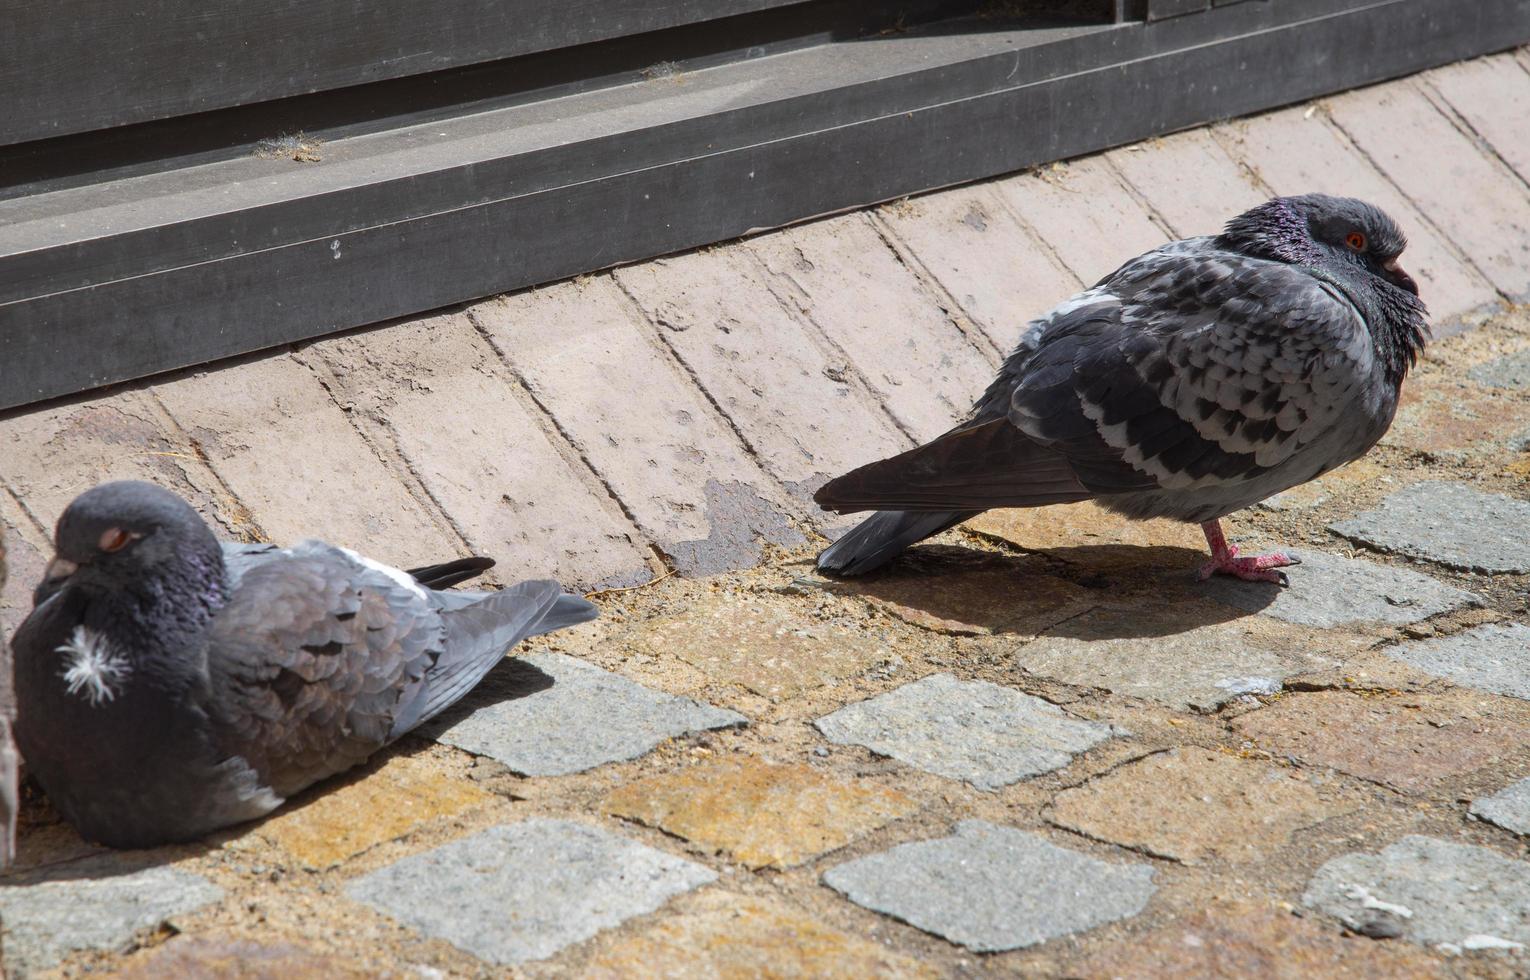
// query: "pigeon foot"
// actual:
[[1253, 568]]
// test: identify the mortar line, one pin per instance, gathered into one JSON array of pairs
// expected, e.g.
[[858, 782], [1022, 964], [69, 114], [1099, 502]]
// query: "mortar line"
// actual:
[[564, 442], [928, 282], [1485, 146], [247, 515], [410, 478], [774, 284], [1348, 139], [1035, 235]]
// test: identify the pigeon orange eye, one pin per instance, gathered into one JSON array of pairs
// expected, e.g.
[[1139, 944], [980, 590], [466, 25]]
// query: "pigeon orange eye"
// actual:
[[114, 539], [1355, 240]]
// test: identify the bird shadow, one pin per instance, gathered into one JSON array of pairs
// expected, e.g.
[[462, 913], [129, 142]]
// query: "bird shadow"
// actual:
[[509, 680], [49, 849], [963, 590]]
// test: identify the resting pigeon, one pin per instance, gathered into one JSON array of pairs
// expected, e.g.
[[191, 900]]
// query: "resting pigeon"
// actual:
[[1196, 380], [168, 685]]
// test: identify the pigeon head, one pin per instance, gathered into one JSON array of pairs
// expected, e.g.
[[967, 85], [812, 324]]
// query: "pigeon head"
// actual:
[[1352, 243], [135, 540]]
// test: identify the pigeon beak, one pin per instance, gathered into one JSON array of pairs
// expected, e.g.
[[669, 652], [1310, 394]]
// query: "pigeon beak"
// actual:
[[1398, 277], [59, 569]]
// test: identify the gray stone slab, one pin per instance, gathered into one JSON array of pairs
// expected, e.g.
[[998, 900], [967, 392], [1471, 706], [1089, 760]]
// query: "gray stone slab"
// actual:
[[993, 888], [1508, 371], [46, 921], [1429, 891], [585, 718], [523, 891], [987, 735], [1330, 590], [1187, 656], [1449, 523], [1494, 657], [1509, 808]]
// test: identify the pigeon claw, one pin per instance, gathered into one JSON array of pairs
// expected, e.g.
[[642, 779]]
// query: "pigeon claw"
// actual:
[[1254, 568]]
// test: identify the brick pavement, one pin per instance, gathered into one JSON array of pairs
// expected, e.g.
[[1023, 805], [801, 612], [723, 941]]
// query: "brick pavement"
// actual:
[[1035, 747]]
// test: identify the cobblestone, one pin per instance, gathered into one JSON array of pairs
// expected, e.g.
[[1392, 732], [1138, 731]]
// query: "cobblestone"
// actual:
[[990, 888], [984, 734], [1330, 590], [524, 891], [1494, 657], [1409, 743], [1449, 523], [583, 718], [1194, 804], [1188, 655], [759, 814], [1429, 891], [339, 823], [93, 907], [738, 936], [1509, 808]]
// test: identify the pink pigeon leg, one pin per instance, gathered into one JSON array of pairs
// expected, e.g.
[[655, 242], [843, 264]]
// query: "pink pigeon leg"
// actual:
[[1255, 568]]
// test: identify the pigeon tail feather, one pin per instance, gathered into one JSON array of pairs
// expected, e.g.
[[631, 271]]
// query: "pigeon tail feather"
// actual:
[[884, 536], [450, 573], [569, 610], [477, 637], [976, 468]]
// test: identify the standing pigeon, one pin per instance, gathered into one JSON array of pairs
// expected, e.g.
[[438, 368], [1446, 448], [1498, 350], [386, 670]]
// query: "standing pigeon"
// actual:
[[168, 685], [1195, 380]]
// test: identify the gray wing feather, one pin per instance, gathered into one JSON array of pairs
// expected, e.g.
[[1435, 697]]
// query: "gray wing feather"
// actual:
[[477, 636], [1189, 367]]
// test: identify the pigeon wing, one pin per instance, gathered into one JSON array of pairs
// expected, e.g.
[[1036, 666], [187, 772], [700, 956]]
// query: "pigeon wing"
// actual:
[[1191, 368], [310, 657]]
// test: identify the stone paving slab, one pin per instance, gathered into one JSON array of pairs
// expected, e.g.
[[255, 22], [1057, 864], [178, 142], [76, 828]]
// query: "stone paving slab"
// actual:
[[629, 411], [1298, 151], [228, 958], [968, 594], [1450, 523], [769, 645], [867, 303], [340, 822], [278, 441], [808, 415], [991, 888], [1494, 657], [1467, 194], [436, 392], [1408, 743], [1000, 273], [1453, 419], [1429, 891], [1493, 96], [1077, 207], [1508, 371], [1330, 590], [1187, 655], [1509, 808], [1190, 181], [759, 814], [25, 559], [739, 936], [53, 455], [984, 734], [583, 718], [1194, 804], [97, 910], [524, 891], [1241, 940]]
